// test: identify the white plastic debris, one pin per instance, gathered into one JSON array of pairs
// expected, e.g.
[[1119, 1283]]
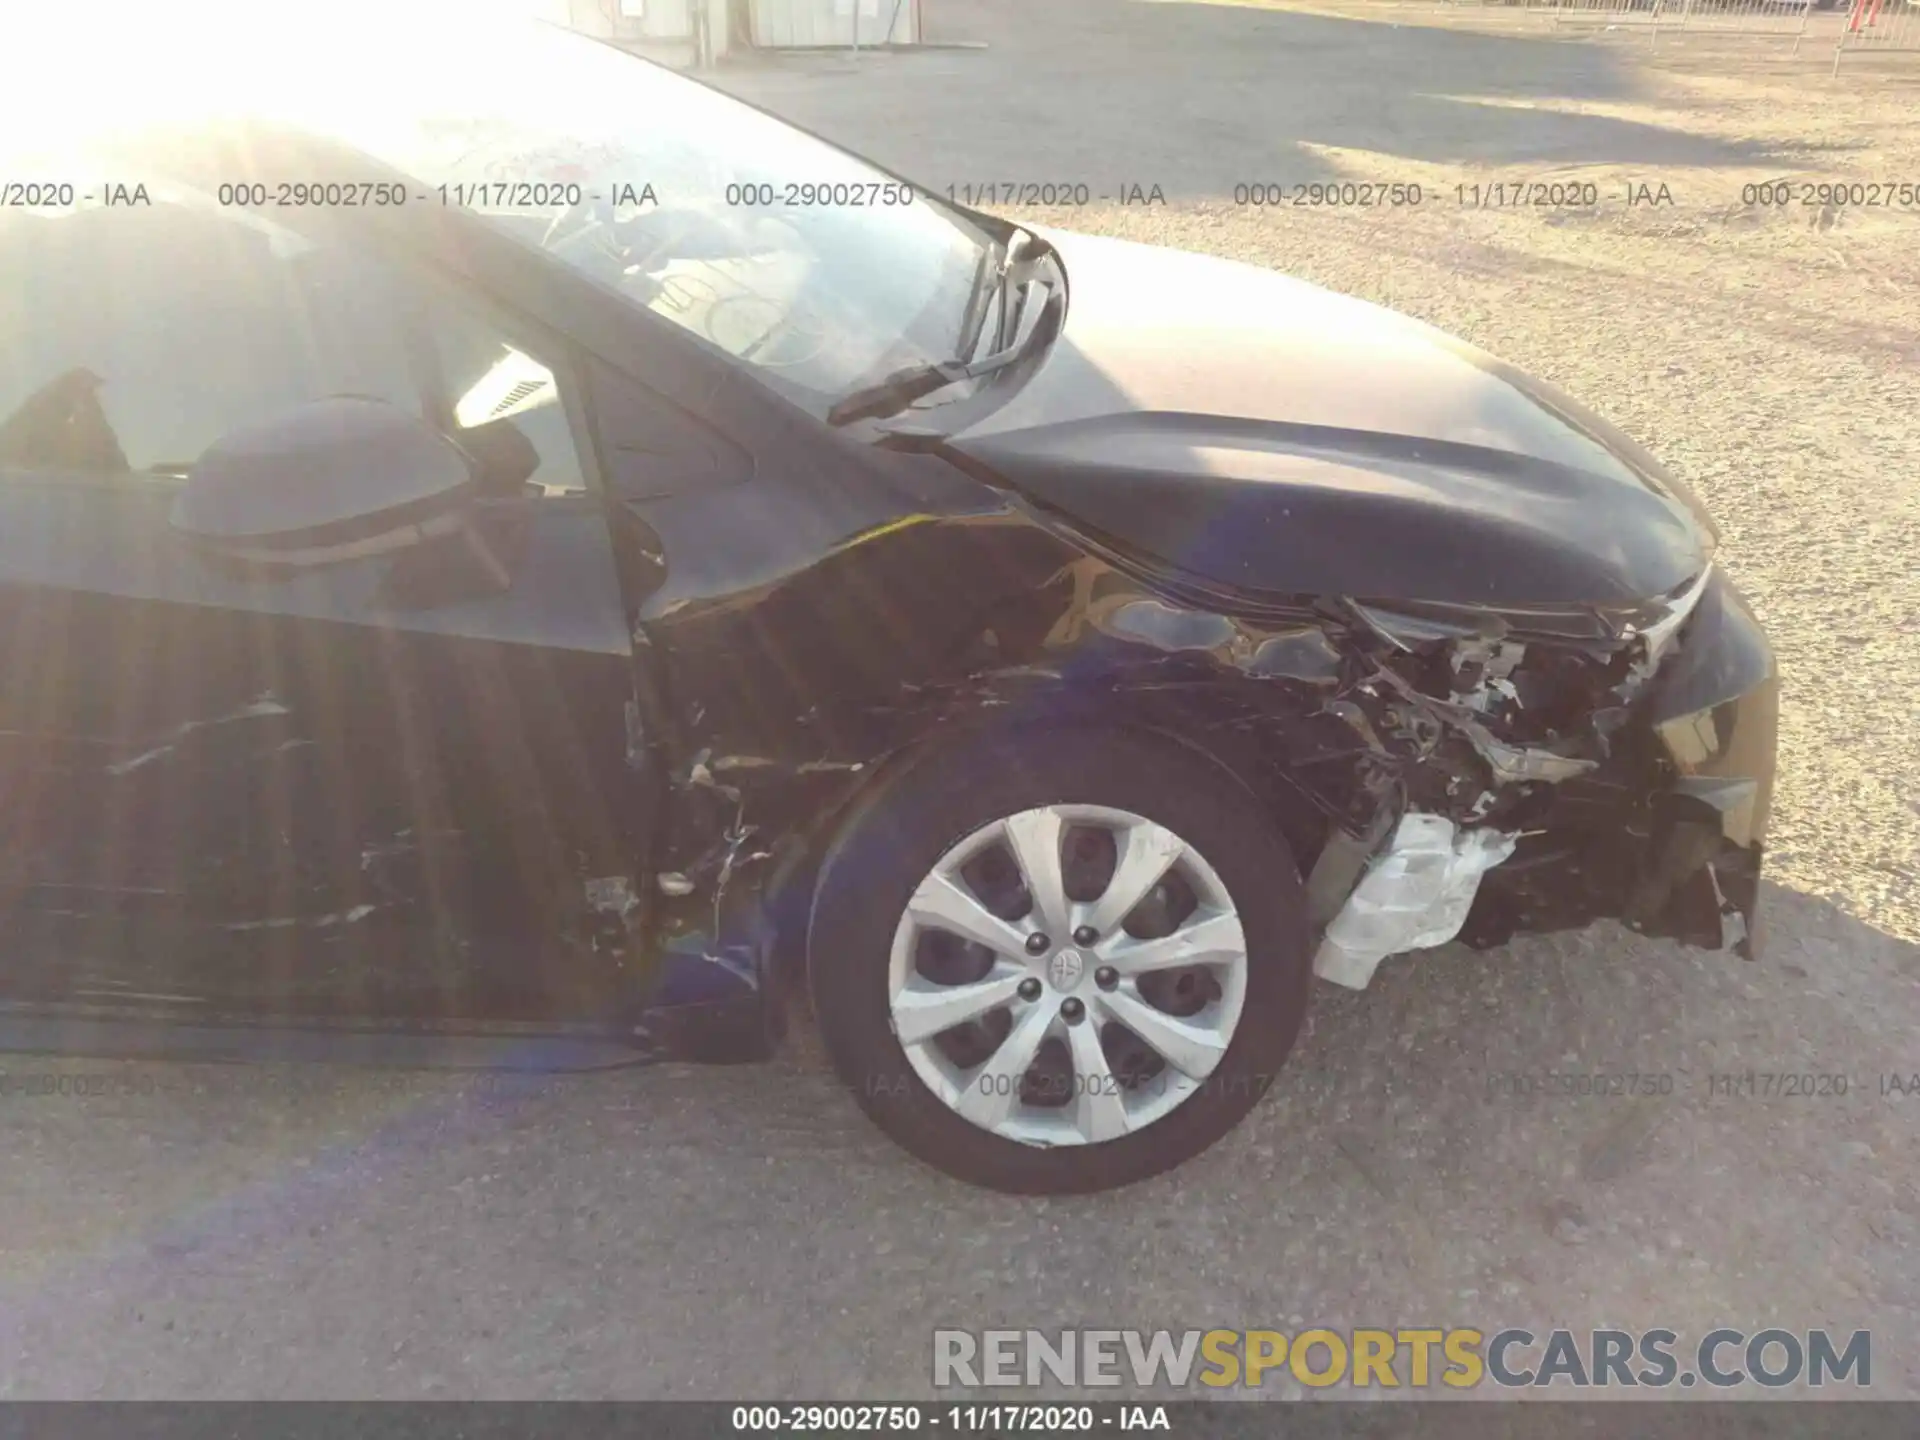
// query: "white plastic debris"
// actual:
[[1415, 895]]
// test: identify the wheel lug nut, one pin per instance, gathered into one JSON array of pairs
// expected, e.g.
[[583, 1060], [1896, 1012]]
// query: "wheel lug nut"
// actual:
[[1029, 989], [1085, 935], [1072, 1011], [1106, 977], [1038, 944]]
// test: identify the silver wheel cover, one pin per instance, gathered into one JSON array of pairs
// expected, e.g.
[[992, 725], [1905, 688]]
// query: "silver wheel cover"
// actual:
[[1043, 1015]]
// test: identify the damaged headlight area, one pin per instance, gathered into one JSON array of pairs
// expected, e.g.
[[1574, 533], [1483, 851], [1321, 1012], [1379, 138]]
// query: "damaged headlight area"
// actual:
[[1481, 707], [1525, 750]]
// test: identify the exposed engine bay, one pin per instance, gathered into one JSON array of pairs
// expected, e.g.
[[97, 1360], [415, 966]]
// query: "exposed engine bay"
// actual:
[[1485, 715]]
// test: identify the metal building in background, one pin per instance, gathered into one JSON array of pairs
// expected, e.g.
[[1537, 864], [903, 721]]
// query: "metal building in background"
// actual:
[[676, 30], [842, 24]]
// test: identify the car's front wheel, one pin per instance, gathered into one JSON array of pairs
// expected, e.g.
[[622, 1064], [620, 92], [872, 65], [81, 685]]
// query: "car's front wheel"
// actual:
[[1059, 962]]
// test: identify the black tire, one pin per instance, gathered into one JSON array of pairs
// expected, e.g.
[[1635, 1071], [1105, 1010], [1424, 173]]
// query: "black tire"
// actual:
[[895, 837]]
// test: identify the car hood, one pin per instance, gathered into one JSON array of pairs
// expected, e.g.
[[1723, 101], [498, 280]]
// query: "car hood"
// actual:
[[1258, 431]]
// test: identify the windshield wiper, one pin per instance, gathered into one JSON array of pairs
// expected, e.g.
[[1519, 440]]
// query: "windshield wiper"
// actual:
[[900, 389], [903, 387], [988, 282]]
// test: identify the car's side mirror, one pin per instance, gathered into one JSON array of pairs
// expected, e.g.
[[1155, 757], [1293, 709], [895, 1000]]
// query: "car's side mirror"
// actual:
[[332, 480]]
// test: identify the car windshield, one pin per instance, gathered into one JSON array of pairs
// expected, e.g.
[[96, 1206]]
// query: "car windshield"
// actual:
[[811, 267]]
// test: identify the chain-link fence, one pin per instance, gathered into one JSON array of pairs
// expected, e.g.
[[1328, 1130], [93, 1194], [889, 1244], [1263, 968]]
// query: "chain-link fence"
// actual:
[[1787, 18], [1879, 25], [1815, 27]]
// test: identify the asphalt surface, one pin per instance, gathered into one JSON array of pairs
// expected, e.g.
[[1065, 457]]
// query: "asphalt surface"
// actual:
[[680, 1232]]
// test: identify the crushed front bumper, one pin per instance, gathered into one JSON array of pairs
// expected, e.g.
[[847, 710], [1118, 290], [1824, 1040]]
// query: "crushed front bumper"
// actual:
[[1715, 710], [1669, 836]]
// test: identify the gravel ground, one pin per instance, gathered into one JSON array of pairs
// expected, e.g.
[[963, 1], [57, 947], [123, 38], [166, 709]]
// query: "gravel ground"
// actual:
[[680, 1232]]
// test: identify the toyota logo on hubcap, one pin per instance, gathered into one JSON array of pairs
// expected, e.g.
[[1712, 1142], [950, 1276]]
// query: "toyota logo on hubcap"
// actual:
[[1065, 969]]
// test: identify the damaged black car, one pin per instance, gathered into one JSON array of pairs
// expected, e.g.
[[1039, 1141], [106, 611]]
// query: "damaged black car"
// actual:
[[546, 565]]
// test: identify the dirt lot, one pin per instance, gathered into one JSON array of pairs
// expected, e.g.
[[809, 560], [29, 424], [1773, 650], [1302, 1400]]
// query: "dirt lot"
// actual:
[[677, 1232]]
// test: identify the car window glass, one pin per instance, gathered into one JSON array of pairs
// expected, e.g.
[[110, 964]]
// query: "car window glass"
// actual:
[[138, 335], [800, 260], [811, 268], [145, 332]]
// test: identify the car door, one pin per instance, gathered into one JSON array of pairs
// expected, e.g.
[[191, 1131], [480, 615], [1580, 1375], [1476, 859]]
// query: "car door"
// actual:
[[395, 784]]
